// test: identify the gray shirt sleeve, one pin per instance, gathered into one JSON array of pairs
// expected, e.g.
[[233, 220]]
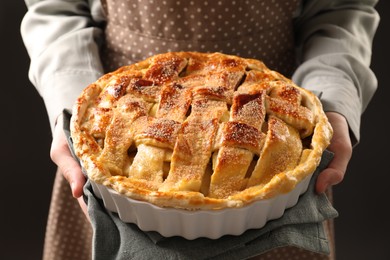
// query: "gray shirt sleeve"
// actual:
[[62, 39], [334, 40]]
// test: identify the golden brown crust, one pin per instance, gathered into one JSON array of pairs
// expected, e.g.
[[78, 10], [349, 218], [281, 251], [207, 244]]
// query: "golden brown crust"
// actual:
[[198, 131]]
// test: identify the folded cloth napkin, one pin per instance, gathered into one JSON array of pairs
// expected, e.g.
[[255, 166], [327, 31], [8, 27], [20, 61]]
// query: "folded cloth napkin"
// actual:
[[301, 226]]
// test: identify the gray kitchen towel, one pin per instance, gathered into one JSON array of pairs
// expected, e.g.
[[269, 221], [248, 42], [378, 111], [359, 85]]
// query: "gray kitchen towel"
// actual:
[[301, 226]]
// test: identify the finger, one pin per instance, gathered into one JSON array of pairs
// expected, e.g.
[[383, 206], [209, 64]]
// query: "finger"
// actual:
[[335, 171], [73, 174], [327, 178]]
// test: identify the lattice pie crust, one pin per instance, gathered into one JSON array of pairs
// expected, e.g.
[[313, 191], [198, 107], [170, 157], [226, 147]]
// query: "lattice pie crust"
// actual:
[[198, 131]]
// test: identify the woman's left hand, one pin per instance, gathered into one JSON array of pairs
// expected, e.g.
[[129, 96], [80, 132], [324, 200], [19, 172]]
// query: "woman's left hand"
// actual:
[[341, 146]]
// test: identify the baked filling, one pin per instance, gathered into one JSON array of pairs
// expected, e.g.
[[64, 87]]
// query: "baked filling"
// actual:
[[198, 131]]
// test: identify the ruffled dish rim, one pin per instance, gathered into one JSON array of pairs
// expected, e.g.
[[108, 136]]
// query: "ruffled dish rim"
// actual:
[[192, 224]]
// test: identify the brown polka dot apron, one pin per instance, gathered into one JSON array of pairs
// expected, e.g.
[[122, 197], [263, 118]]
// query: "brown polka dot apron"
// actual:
[[137, 29], [256, 29], [68, 232]]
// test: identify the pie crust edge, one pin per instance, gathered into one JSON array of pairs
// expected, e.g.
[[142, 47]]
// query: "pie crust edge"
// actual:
[[281, 183]]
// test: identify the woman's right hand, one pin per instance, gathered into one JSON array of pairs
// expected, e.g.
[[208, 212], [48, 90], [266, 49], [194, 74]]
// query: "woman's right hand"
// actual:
[[68, 166]]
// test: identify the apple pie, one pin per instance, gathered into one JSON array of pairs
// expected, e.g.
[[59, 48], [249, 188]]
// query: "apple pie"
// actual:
[[194, 130]]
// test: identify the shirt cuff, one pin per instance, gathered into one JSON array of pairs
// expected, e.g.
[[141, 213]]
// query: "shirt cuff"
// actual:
[[335, 97]]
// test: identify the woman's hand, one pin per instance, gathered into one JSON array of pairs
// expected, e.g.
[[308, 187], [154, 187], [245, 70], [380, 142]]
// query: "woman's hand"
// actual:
[[68, 166], [341, 146]]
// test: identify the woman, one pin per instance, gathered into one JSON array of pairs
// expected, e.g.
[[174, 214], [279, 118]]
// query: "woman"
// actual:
[[324, 46]]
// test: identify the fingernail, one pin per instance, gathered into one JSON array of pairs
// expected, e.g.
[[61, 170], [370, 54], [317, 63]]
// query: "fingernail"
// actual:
[[72, 187]]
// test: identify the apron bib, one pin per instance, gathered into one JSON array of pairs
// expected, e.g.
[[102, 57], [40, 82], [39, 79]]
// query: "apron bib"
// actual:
[[257, 29]]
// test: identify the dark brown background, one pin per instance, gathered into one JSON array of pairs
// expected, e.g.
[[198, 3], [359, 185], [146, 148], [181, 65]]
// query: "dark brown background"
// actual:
[[26, 177]]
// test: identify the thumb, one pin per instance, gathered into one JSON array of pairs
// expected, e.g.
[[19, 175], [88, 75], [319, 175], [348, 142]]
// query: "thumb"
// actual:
[[72, 172], [68, 166]]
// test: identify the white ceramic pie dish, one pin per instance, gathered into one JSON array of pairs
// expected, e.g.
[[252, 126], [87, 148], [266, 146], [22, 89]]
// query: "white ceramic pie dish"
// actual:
[[200, 223], [180, 132]]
